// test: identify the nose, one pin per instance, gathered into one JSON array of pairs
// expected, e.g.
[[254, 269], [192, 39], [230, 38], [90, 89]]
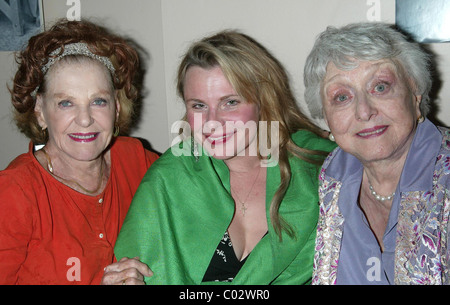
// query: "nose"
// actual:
[[213, 121], [84, 117], [365, 108]]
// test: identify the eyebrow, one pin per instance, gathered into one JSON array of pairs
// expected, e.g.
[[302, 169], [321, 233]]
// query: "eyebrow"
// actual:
[[374, 68], [98, 93], [230, 95], [221, 99]]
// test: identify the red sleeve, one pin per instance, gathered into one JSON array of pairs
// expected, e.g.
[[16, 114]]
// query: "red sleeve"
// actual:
[[16, 227]]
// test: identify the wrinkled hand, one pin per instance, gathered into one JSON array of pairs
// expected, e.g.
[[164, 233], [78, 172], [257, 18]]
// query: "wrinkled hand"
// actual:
[[127, 271]]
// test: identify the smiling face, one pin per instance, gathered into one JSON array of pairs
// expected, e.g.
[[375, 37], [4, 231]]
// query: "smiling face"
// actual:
[[79, 109], [224, 122], [371, 110]]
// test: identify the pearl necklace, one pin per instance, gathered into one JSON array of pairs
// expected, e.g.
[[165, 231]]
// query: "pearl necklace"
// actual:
[[379, 197]]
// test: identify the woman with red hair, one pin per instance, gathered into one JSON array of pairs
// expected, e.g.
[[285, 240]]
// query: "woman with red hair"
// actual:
[[63, 204]]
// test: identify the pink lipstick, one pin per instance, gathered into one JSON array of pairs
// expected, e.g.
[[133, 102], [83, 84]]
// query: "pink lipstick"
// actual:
[[84, 137], [216, 139], [372, 132]]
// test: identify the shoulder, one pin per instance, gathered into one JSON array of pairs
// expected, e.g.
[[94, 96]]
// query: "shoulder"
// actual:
[[317, 146], [169, 164], [178, 163], [127, 143], [309, 140], [22, 166], [331, 156], [22, 178], [304, 180], [21, 188], [176, 157], [131, 149]]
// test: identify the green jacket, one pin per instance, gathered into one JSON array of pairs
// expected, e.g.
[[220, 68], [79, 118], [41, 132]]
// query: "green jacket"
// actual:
[[182, 209]]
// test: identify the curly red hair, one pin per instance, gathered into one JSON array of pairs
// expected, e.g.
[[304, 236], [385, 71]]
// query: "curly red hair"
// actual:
[[100, 41]]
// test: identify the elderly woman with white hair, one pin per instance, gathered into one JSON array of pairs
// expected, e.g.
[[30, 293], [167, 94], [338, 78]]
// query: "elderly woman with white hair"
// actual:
[[385, 191]]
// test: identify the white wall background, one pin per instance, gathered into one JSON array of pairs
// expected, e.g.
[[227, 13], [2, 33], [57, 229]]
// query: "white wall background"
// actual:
[[165, 28]]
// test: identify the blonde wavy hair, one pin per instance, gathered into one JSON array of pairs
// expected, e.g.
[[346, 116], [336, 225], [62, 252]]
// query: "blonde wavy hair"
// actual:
[[259, 78]]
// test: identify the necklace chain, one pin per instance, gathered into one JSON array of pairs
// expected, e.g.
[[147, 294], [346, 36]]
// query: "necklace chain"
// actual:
[[243, 207], [50, 169], [378, 196]]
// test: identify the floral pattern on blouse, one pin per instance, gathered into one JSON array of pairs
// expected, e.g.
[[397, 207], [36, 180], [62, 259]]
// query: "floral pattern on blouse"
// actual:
[[329, 229], [421, 254]]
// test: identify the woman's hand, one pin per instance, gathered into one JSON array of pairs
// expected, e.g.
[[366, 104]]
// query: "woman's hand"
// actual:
[[127, 271]]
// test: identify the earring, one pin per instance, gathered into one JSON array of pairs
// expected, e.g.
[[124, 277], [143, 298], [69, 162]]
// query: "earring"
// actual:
[[420, 119], [44, 132], [116, 130], [331, 137]]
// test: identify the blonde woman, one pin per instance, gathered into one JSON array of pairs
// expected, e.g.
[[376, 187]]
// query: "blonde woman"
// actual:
[[217, 207]]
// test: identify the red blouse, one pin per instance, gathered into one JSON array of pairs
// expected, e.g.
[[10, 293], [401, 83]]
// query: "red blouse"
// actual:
[[52, 234]]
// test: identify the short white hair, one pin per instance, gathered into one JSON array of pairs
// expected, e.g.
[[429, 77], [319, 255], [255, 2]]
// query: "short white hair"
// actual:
[[365, 42]]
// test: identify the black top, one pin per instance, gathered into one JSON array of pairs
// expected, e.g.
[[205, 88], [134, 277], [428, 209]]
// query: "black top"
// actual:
[[224, 264]]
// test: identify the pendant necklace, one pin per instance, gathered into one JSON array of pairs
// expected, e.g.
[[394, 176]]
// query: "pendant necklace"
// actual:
[[243, 207], [66, 181]]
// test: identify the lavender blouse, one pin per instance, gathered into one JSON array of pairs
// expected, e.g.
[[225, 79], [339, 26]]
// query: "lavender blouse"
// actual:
[[416, 235]]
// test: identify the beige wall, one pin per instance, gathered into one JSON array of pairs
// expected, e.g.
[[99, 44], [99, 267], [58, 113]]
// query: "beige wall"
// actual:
[[164, 28]]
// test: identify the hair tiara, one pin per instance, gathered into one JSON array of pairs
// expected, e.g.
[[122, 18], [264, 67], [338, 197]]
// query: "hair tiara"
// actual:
[[78, 48]]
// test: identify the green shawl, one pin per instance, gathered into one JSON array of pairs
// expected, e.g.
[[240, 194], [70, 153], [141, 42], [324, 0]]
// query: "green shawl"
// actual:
[[183, 207]]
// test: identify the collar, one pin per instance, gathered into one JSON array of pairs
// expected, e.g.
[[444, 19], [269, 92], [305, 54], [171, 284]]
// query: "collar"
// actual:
[[419, 166], [417, 174]]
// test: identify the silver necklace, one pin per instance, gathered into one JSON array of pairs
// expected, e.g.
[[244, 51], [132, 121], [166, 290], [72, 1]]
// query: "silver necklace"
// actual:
[[378, 196], [243, 207]]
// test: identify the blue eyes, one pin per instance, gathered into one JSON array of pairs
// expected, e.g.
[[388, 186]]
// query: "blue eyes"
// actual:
[[380, 88], [65, 104], [96, 102], [198, 106], [100, 102], [341, 98], [225, 104]]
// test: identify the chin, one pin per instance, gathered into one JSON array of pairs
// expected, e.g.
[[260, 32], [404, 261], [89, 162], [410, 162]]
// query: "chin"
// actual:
[[373, 157], [220, 156]]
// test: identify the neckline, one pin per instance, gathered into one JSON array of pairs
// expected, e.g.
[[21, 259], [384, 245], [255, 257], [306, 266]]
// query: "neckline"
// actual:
[[49, 176]]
